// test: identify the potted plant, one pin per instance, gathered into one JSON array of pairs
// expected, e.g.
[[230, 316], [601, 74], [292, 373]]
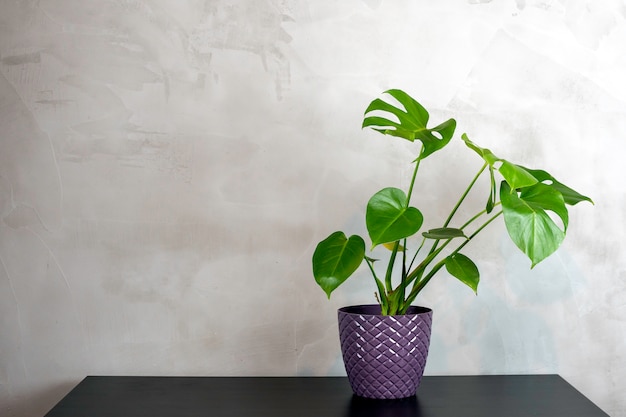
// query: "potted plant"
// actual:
[[385, 345]]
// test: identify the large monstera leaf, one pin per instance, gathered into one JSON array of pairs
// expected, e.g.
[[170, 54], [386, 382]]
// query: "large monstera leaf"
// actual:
[[410, 124], [528, 222], [336, 258], [527, 197], [389, 218]]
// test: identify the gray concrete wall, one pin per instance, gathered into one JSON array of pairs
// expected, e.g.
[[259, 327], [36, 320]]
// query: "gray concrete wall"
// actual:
[[167, 167]]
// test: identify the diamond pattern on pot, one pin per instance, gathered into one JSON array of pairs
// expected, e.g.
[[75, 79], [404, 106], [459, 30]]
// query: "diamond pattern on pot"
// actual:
[[384, 356]]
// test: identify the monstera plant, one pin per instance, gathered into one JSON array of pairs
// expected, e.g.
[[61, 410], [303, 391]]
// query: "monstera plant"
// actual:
[[532, 203]]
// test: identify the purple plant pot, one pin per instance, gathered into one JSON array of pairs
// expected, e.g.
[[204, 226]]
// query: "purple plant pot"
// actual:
[[384, 356]]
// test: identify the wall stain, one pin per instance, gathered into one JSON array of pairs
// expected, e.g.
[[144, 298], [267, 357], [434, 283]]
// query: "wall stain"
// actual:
[[31, 58], [253, 26]]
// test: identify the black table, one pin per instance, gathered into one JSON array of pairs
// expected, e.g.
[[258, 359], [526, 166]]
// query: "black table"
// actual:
[[438, 396]]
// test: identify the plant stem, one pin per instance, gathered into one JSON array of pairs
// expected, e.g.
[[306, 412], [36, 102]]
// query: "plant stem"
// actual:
[[417, 165], [467, 223], [392, 260], [458, 204], [419, 285], [416, 253], [393, 299], [381, 289], [492, 218], [434, 250], [403, 284], [416, 273]]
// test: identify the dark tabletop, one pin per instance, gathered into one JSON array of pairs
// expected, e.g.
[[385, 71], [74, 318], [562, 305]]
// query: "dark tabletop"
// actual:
[[438, 396]]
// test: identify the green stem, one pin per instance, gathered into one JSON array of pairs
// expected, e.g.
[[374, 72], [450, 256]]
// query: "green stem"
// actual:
[[381, 289], [417, 165], [419, 285], [458, 204], [403, 283], [416, 273], [467, 223], [477, 231], [416, 253], [392, 260]]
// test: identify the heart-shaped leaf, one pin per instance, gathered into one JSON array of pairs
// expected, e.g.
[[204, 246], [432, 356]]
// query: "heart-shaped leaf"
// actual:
[[410, 124], [462, 268], [336, 258], [388, 217], [529, 225], [444, 233]]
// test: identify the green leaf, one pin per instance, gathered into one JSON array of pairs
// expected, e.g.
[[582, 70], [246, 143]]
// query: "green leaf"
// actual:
[[543, 197], [462, 268], [444, 233], [515, 175], [411, 122], [336, 258], [388, 217], [570, 196], [528, 223], [392, 245], [484, 153]]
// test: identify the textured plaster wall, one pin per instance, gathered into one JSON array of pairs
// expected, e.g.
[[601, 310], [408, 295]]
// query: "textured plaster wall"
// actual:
[[167, 167]]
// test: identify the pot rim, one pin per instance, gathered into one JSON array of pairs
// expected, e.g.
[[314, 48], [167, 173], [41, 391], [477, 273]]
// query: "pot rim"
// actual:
[[374, 310]]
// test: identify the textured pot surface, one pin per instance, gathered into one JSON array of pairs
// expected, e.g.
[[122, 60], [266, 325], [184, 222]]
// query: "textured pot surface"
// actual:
[[384, 356]]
